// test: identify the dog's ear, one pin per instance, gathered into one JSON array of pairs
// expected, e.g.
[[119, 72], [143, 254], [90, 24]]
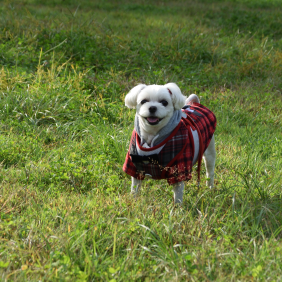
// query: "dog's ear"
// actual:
[[131, 97], [177, 98]]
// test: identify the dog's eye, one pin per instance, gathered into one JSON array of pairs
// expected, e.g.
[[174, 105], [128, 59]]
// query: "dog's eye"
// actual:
[[164, 102], [144, 101]]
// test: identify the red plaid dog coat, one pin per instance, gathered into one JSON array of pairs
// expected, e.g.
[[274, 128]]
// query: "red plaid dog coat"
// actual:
[[174, 161]]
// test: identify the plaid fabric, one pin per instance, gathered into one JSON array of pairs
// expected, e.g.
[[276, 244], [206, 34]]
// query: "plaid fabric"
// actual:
[[205, 120], [174, 162]]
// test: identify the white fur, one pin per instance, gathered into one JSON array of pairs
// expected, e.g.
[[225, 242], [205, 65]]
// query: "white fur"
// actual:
[[177, 97], [209, 159], [192, 98], [131, 97], [154, 94]]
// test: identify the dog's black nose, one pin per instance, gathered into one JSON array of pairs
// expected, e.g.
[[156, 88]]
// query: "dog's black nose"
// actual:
[[152, 109]]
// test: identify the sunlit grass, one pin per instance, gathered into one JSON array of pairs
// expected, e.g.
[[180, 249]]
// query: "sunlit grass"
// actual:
[[66, 211]]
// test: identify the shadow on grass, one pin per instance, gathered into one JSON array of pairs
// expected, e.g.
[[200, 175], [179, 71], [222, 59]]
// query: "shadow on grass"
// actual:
[[121, 36]]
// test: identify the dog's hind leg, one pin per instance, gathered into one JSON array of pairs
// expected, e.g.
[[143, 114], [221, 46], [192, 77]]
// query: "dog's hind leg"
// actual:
[[178, 189], [209, 158], [135, 186]]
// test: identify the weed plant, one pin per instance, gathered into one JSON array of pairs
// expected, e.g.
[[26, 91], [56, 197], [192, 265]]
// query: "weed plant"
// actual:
[[66, 210]]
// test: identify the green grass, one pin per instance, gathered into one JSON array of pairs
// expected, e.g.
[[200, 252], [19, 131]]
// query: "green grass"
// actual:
[[66, 210]]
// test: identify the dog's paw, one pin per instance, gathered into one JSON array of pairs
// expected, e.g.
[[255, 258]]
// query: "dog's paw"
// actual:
[[209, 183]]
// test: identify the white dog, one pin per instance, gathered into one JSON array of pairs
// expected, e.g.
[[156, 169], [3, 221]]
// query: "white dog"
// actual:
[[167, 140]]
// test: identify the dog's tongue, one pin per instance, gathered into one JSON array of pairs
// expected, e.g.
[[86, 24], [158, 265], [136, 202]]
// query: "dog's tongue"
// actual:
[[152, 119]]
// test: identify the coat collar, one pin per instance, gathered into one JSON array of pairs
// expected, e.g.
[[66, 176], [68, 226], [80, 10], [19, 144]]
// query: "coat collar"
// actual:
[[164, 132]]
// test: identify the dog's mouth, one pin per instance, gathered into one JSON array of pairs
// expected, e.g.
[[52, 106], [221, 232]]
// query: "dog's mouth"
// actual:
[[153, 120]]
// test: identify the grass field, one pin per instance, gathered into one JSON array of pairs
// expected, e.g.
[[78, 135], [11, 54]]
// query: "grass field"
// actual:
[[66, 210]]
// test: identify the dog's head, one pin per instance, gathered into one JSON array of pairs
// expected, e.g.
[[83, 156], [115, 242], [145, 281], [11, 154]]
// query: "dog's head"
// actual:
[[155, 104]]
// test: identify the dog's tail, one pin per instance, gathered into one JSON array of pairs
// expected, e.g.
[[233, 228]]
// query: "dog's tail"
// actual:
[[193, 98]]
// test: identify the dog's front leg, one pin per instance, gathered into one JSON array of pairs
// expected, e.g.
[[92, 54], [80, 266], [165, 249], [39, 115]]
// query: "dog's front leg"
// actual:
[[209, 158], [178, 189], [135, 186]]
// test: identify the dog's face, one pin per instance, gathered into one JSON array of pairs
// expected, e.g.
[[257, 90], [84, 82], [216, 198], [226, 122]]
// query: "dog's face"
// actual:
[[155, 104]]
